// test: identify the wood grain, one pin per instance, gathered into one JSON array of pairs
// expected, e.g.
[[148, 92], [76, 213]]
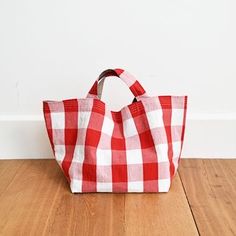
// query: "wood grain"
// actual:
[[35, 200], [39, 202], [210, 187], [8, 170], [160, 214]]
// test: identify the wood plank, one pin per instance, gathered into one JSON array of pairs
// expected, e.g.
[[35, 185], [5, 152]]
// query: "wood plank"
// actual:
[[8, 169], [160, 214], [210, 187], [22, 201], [38, 201]]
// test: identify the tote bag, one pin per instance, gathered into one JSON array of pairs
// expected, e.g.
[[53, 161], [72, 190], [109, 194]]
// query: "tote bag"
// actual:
[[136, 149]]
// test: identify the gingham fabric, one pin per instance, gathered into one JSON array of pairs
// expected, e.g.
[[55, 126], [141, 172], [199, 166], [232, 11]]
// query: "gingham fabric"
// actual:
[[136, 149]]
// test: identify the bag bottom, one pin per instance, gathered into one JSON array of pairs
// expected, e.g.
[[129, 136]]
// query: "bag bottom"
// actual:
[[140, 187]]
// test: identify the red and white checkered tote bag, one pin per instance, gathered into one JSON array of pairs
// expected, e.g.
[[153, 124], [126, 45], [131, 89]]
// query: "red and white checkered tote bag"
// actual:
[[136, 149]]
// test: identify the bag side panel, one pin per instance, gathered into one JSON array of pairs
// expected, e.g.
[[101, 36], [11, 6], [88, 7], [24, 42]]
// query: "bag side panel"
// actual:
[[178, 123], [156, 113], [166, 118], [82, 155]]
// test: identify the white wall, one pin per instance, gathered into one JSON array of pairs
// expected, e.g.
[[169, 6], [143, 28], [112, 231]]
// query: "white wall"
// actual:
[[56, 49]]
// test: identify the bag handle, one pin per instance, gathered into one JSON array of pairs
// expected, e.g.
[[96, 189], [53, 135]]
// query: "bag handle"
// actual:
[[134, 86]]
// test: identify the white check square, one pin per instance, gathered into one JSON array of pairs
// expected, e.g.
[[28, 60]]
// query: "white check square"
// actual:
[[103, 157], [155, 118], [83, 119], [59, 152], [176, 149], [134, 156], [162, 152], [177, 117], [129, 128], [78, 154], [163, 185], [136, 186], [58, 120], [107, 126], [104, 187], [76, 186]]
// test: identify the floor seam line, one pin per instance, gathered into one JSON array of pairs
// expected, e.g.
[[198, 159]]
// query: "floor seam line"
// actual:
[[185, 193]]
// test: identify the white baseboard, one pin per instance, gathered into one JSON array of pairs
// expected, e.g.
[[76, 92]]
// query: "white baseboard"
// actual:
[[207, 136]]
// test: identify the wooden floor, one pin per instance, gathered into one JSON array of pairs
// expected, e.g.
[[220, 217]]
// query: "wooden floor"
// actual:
[[35, 200]]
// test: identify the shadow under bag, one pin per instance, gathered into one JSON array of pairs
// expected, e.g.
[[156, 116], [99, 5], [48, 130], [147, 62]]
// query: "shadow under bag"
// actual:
[[136, 149]]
